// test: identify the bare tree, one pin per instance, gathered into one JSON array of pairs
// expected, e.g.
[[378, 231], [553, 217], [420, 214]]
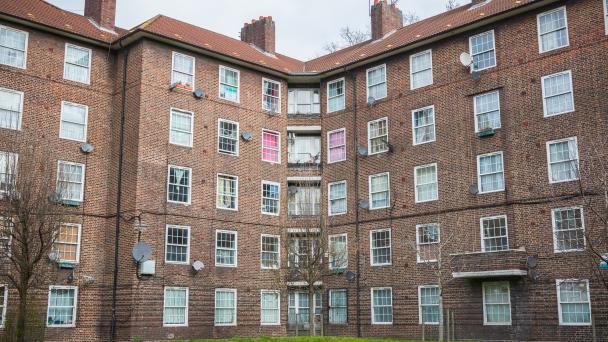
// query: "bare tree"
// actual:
[[348, 37], [451, 4], [410, 17], [31, 214]]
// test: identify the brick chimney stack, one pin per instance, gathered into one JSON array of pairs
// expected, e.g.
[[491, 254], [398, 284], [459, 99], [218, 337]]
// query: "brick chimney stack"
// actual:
[[102, 11], [260, 33], [385, 18]]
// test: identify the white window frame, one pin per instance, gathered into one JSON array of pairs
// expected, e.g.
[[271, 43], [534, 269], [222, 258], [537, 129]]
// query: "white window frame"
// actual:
[[187, 306], [262, 198], [331, 258], [232, 324], [372, 305], [65, 62], [416, 182], [483, 295], [236, 247], [187, 228], [476, 114], [558, 282], [82, 183], [86, 120], [540, 44], [278, 252], [77, 261], [420, 287], [606, 15], [27, 37], [388, 180], [414, 125], [238, 84], [3, 287], [236, 194], [369, 138], [278, 308], [367, 85], [10, 157], [264, 80], [479, 172], [329, 199], [21, 95], [329, 161], [329, 307], [473, 68], [484, 238], [545, 114], [430, 52], [182, 112], [173, 81], [238, 131], [390, 247], [549, 143], [553, 229], [343, 80], [278, 134], [189, 184], [74, 309], [418, 244]]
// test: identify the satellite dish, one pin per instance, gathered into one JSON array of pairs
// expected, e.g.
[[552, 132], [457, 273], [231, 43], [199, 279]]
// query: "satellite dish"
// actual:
[[198, 266], [292, 189], [198, 93], [364, 204], [54, 256], [371, 100], [532, 261], [141, 252], [247, 136], [476, 75], [350, 276], [533, 274], [86, 148], [362, 150], [473, 189], [465, 59]]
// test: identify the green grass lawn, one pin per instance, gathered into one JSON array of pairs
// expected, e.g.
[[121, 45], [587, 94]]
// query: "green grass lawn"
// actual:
[[303, 339]]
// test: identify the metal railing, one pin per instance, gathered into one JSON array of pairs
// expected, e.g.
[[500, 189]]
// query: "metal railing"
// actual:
[[304, 209]]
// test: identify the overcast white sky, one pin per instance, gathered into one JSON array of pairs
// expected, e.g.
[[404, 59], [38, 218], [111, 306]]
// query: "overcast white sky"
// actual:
[[303, 26]]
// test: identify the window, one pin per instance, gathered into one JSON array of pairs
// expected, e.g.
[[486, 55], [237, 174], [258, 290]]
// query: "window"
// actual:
[[77, 66], [62, 306], [494, 236], [270, 308], [183, 70], [382, 305], [225, 307], [380, 246], [487, 111], [271, 97], [568, 229], [229, 84], [483, 51], [428, 304], [423, 122], [336, 145], [67, 243], [337, 198], [298, 308], [426, 188], [271, 193], [427, 236], [379, 191], [606, 14], [225, 248], [304, 149], [557, 94], [70, 181], [338, 305], [13, 47], [376, 83], [271, 146], [304, 101], [6, 237], [270, 251], [227, 192], [302, 248], [179, 184], [175, 308], [421, 69], [338, 252], [3, 303], [496, 303], [8, 171], [228, 137], [182, 123], [11, 108], [335, 96], [377, 133], [304, 198], [491, 173], [552, 30], [73, 121], [574, 304], [562, 158], [177, 248]]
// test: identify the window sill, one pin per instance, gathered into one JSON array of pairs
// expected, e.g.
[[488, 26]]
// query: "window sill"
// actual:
[[303, 116], [71, 203]]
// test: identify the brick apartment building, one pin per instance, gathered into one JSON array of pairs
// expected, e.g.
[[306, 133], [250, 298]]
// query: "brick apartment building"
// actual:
[[216, 150]]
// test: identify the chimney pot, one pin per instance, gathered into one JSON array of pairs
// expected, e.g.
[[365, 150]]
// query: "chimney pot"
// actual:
[[102, 11], [260, 33], [385, 18]]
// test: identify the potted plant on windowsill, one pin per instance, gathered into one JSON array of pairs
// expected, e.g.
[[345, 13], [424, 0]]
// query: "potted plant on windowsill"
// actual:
[[486, 131], [184, 86]]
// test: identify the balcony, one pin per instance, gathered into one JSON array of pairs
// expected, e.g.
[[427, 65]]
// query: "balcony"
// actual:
[[304, 103], [304, 209], [304, 150], [498, 264]]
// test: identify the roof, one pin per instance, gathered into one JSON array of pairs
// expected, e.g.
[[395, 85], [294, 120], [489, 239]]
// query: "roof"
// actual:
[[41, 12]]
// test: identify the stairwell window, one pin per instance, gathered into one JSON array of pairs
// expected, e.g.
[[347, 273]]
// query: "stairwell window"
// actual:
[[421, 69], [175, 307], [335, 95], [74, 119], [382, 305], [552, 30], [270, 251], [423, 122], [8, 171], [227, 192], [487, 111], [77, 64], [271, 97], [562, 156], [182, 70], [483, 51], [338, 306], [270, 304], [380, 247], [13, 47], [427, 237], [496, 303], [490, 169], [229, 84], [62, 306], [558, 97], [228, 137], [379, 191], [574, 302], [271, 146], [70, 181], [568, 229], [225, 307], [11, 109], [336, 145], [271, 195], [179, 184], [177, 245], [225, 248], [494, 234], [67, 243], [337, 198], [376, 83], [428, 304], [377, 136], [3, 302], [182, 124], [426, 186]]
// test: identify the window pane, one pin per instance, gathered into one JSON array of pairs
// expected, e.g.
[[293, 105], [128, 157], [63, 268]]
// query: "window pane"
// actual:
[[73, 121], [497, 303], [569, 233], [10, 109], [226, 192], [179, 185], [228, 137], [426, 183], [558, 94], [424, 125], [491, 173], [487, 111], [482, 50], [495, 234], [563, 160], [552, 30], [61, 306], [422, 72], [12, 47]]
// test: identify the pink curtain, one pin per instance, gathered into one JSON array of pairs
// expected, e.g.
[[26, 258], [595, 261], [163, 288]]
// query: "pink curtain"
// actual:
[[270, 147], [337, 146]]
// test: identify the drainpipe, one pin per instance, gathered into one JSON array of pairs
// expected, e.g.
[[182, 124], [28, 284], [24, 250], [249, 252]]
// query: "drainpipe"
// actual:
[[357, 209]]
